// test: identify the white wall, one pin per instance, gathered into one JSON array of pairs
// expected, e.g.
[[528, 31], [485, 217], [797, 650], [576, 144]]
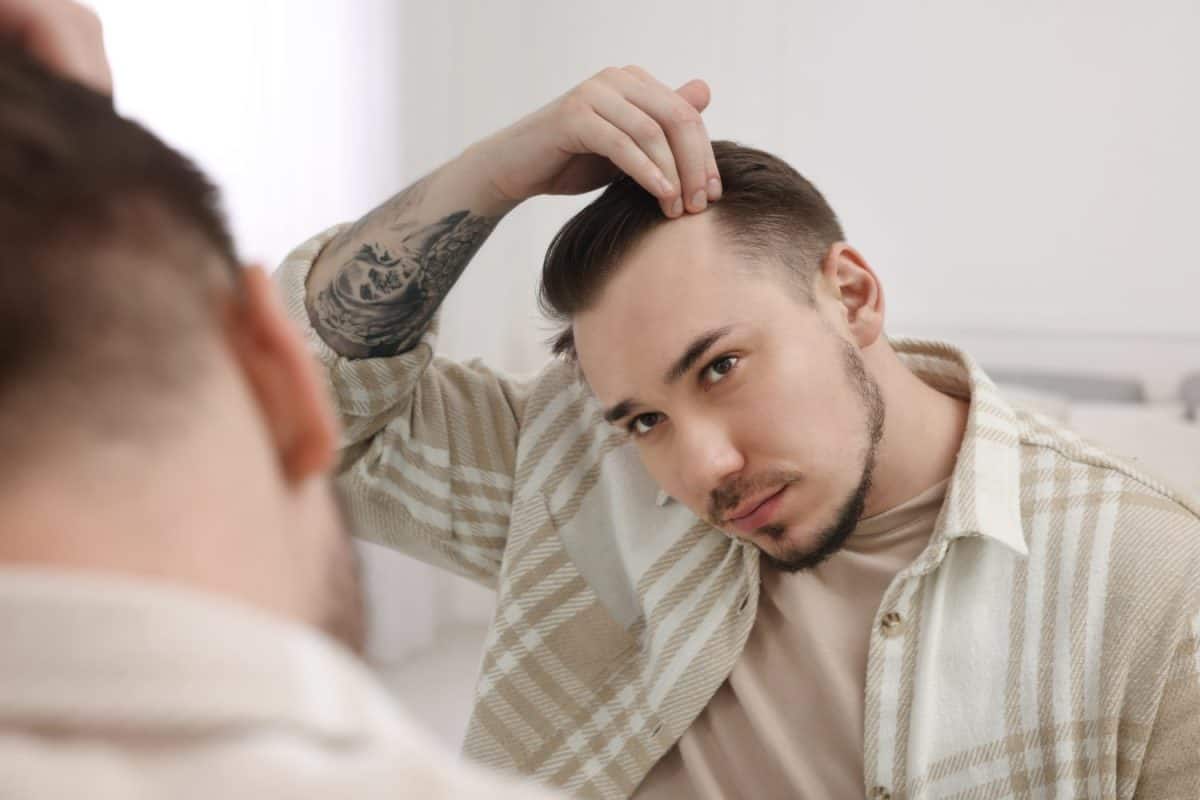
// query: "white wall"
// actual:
[[292, 106]]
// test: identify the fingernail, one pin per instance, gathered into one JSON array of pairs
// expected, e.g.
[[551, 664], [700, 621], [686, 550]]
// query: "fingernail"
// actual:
[[677, 207], [664, 185], [699, 200], [714, 189]]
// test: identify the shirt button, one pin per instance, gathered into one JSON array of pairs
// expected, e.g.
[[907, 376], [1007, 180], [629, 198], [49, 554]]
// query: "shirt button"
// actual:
[[879, 793], [892, 624]]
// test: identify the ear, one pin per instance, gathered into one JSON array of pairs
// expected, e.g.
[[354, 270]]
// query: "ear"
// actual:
[[856, 291], [284, 378]]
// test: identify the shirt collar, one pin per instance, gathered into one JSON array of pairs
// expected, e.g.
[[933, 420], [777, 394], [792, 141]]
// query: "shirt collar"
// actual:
[[984, 495], [88, 650]]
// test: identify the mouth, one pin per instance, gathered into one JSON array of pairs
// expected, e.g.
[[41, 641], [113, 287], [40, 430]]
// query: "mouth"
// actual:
[[756, 512]]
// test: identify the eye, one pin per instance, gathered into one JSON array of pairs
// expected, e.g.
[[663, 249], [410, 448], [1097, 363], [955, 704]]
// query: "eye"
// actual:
[[717, 370], [642, 424]]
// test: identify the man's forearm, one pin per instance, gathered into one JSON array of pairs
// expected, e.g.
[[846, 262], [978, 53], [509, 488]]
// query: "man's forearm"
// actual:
[[376, 286]]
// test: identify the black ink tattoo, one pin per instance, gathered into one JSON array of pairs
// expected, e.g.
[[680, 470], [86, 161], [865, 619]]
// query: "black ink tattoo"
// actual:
[[383, 297], [393, 214]]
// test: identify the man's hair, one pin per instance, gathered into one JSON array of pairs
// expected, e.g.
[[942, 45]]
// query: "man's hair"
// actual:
[[769, 211], [115, 261]]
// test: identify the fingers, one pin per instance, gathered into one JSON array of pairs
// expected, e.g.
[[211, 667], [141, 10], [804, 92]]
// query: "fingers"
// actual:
[[695, 91], [665, 126], [696, 94], [604, 138], [62, 34], [648, 135]]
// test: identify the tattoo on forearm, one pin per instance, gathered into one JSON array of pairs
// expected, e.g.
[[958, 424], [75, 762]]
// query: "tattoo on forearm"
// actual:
[[383, 297]]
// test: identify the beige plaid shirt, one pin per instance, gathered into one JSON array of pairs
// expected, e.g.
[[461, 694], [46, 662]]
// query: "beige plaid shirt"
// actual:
[[1045, 641]]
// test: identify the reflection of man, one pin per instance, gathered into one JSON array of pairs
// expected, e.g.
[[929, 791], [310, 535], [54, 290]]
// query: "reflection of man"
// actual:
[[169, 541], [876, 576]]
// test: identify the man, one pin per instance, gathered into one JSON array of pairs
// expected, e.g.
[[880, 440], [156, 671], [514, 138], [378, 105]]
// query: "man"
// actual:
[[743, 544], [179, 606]]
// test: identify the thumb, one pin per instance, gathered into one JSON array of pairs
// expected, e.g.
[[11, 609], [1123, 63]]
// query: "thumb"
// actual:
[[696, 92]]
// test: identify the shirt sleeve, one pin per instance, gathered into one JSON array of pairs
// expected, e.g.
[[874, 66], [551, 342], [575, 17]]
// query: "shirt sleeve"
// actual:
[[428, 448]]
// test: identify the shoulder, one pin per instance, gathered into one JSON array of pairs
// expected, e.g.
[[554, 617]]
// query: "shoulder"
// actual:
[[1121, 521], [1049, 444]]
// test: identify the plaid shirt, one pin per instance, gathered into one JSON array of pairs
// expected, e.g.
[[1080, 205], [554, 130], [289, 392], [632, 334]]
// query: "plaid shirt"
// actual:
[[1046, 640]]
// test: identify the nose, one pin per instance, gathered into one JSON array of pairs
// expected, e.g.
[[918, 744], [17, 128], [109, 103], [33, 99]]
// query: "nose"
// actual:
[[707, 456]]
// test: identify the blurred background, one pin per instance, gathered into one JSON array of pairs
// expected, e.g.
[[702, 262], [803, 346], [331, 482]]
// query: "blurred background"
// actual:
[[1023, 177]]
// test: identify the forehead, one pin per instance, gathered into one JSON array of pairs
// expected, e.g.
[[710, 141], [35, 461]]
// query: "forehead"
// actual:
[[680, 281]]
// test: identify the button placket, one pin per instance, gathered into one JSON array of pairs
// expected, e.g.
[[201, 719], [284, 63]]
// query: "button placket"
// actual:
[[890, 626]]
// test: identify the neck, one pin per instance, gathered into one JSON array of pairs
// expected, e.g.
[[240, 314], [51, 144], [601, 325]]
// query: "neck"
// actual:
[[187, 513], [923, 431]]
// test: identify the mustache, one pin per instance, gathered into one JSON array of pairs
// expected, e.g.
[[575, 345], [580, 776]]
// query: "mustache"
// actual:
[[725, 498]]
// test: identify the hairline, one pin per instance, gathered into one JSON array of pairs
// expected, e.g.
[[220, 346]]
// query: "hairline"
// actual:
[[755, 260]]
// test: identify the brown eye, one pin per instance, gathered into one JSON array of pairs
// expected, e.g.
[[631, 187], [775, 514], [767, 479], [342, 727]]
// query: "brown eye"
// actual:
[[718, 369], [644, 423]]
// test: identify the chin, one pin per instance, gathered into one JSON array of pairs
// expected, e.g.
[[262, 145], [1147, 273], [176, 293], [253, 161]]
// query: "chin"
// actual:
[[792, 549]]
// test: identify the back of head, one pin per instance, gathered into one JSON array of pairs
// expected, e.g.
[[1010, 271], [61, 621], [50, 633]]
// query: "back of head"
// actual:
[[114, 264], [768, 210]]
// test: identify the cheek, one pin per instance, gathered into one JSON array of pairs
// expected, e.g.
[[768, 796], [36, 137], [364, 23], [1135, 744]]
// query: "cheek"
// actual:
[[661, 470], [814, 424]]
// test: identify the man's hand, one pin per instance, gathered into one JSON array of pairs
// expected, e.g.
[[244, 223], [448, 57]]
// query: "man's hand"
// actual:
[[61, 34], [375, 286], [620, 119]]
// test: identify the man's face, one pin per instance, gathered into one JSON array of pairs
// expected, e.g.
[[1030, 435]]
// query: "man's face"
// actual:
[[745, 402]]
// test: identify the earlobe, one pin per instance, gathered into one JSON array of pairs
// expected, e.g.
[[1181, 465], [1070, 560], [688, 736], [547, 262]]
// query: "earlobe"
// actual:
[[283, 379], [858, 290]]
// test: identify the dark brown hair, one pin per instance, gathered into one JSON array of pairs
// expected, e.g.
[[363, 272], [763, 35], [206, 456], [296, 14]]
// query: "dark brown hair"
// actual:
[[113, 255], [769, 211]]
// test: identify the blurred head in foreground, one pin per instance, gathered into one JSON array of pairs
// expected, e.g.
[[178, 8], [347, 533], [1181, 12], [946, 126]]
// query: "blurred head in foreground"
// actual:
[[161, 416]]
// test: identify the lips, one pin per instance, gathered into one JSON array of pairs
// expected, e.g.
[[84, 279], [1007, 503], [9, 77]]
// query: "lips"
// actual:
[[749, 507]]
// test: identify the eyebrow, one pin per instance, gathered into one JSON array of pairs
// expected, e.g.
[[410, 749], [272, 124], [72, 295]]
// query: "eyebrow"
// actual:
[[694, 352]]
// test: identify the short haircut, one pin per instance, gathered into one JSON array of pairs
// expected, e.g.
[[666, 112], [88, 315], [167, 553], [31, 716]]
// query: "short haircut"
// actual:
[[115, 261], [769, 211]]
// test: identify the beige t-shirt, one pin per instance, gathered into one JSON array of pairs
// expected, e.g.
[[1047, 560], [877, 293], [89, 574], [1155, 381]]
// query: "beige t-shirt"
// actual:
[[788, 722]]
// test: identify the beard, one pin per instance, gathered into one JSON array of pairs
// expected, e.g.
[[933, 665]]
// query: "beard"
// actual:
[[790, 558], [831, 539], [343, 613]]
